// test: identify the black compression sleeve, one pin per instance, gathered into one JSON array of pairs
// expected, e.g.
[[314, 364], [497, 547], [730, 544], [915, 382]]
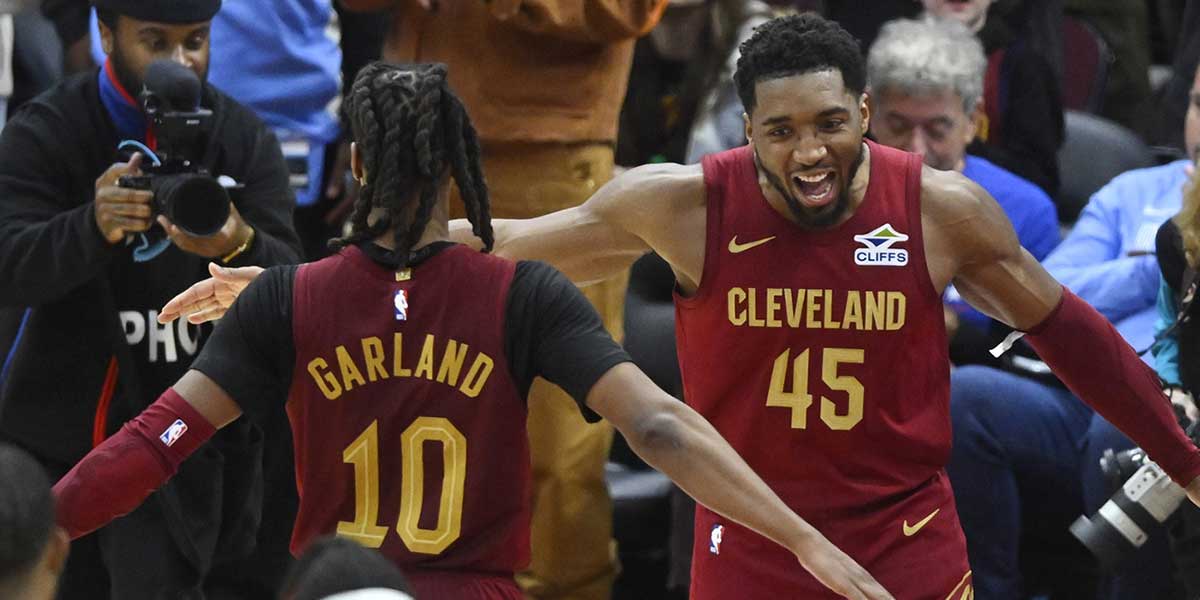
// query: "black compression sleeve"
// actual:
[[251, 351], [552, 331]]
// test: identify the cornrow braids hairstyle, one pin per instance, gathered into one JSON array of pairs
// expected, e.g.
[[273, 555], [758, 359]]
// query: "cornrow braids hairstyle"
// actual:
[[795, 45], [410, 129]]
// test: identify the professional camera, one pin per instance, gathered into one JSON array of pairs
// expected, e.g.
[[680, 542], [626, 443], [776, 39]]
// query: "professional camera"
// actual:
[[1147, 497], [183, 189]]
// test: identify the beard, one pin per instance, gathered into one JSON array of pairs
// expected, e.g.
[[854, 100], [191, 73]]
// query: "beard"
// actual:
[[823, 217], [126, 75], [129, 77]]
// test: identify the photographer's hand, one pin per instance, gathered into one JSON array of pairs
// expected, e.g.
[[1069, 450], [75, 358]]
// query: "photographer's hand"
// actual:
[[121, 211], [232, 235], [209, 299]]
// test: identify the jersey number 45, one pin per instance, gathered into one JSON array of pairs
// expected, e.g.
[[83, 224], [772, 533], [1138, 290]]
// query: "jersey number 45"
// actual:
[[799, 400]]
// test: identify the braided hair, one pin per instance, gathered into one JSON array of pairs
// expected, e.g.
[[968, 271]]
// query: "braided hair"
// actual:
[[410, 128]]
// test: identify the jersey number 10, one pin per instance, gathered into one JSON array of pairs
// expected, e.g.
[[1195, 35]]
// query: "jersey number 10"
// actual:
[[363, 453], [799, 400]]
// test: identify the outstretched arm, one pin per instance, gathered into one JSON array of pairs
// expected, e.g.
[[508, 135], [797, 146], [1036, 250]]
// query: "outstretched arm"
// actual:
[[676, 440], [995, 274], [249, 352], [116, 476], [652, 207]]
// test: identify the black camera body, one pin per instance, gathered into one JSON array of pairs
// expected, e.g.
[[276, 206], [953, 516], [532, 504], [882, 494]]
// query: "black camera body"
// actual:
[[184, 191], [1145, 497]]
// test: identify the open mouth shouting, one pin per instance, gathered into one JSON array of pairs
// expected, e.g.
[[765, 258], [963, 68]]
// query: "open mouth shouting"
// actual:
[[815, 189]]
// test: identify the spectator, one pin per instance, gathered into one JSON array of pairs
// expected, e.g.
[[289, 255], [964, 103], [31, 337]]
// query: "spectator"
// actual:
[[279, 59], [1024, 126], [33, 549], [545, 96], [1026, 453], [677, 71], [1124, 28], [1176, 335], [91, 353], [334, 565], [926, 82], [1175, 100], [718, 124]]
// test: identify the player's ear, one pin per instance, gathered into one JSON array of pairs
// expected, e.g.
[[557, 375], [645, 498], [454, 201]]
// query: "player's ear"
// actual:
[[57, 550], [749, 127], [864, 106]]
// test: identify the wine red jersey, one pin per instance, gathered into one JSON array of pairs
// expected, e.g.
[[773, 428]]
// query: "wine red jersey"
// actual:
[[409, 429], [821, 356]]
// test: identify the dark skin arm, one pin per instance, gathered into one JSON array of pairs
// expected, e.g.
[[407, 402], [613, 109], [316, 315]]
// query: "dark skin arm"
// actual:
[[968, 240], [654, 207]]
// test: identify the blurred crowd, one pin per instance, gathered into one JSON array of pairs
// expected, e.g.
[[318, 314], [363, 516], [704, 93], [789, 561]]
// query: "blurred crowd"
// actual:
[[1080, 117]]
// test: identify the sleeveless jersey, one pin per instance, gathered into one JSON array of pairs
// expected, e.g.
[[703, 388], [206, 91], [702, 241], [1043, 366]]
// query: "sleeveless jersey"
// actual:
[[821, 356], [409, 430]]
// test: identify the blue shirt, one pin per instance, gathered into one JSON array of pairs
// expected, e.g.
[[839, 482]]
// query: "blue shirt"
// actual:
[[1030, 210], [278, 58], [1108, 258]]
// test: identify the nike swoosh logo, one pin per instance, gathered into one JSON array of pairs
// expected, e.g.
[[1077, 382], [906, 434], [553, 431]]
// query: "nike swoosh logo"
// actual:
[[910, 531], [736, 248]]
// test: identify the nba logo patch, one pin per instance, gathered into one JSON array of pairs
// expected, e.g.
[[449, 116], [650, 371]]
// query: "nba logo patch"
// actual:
[[714, 539], [173, 433], [401, 304]]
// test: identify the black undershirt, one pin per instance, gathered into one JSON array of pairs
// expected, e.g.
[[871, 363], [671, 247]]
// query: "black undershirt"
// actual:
[[550, 330]]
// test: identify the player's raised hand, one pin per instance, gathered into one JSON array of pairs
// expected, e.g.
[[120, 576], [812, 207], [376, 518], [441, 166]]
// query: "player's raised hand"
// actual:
[[208, 300], [838, 571]]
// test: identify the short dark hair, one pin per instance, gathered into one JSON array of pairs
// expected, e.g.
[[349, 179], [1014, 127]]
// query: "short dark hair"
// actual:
[[26, 512], [333, 565], [796, 45]]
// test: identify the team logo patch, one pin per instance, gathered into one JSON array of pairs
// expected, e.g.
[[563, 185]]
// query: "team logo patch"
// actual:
[[714, 539], [173, 433], [401, 304], [877, 248]]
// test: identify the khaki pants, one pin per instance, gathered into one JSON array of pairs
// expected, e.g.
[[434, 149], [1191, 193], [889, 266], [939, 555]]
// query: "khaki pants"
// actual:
[[573, 553]]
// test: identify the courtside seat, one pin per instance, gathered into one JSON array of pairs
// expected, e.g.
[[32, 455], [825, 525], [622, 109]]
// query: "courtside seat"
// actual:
[[1095, 150]]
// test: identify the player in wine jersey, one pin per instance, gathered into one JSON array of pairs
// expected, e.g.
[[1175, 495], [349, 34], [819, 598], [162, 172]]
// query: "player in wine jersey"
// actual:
[[408, 359], [809, 267]]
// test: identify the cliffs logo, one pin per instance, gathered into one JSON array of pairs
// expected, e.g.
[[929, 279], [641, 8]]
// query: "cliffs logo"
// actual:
[[878, 250]]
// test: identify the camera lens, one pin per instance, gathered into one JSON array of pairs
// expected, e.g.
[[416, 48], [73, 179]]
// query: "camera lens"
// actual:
[[196, 204]]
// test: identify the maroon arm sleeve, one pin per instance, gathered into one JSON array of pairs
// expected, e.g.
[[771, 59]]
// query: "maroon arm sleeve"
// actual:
[[1094, 361], [116, 476]]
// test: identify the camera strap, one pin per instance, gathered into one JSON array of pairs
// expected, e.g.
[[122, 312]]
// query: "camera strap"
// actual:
[[1188, 284]]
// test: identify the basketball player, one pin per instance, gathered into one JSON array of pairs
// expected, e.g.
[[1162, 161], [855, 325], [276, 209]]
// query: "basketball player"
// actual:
[[408, 359], [810, 266]]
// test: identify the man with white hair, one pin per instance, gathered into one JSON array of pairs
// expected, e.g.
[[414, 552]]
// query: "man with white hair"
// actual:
[[926, 84]]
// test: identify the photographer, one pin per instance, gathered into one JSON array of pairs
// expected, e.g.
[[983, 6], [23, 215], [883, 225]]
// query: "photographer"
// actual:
[[1177, 350], [92, 261]]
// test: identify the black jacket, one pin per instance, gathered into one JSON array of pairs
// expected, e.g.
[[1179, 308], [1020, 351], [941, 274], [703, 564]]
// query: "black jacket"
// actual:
[[54, 260], [85, 298]]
